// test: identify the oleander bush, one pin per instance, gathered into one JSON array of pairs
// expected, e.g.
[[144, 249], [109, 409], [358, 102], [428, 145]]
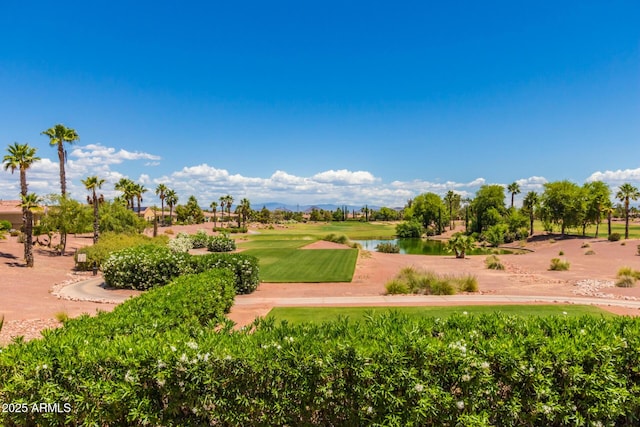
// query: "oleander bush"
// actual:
[[490, 370], [147, 266], [111, 242], [221, 243], [200, 239], [181, 243], [558, 264]]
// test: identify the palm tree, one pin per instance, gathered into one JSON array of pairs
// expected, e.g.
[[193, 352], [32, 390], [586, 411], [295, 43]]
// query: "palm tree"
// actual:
[[609, 210], [128, 190], [91, 183], [451, 199], [214, 209], [223, 204], [21, 157], [28, 203], [172, 199], [513, 188], [460, 243], [529, 203], [244, 209], [58, 135], [625, 193], [161, 192], [138, 191], [229, 199]]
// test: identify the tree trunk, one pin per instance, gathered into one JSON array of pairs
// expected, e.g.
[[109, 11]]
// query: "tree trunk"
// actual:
[[597, 227], [63, 242], [28, 239], [626, 218], [63, 180], [170, 214], [609, 223], [531, 224], [162, 203]]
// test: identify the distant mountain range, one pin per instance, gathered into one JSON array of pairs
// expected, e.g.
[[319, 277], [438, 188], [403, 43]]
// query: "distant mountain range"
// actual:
[[272, 206]]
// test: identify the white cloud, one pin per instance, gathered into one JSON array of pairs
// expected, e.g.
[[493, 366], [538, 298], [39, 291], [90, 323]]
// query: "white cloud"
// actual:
[[344, 176], [616, 177]]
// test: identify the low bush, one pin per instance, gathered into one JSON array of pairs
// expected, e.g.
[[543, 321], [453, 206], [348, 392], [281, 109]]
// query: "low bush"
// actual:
[[388, 248], [245, 268], [5, 225], [112, 242], [585, 245], [342, 240], [626, 282], [200, 239], [418, 281], [221, 243], [590, 252], [614, 237], [388, 369], [493, 263], [558, 264], [561, 253], [232, 230]]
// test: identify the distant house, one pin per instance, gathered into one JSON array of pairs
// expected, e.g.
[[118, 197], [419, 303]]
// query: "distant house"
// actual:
[[10, 211]]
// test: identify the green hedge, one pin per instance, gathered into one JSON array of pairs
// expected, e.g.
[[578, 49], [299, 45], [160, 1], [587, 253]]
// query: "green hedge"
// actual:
[[113, 242], [147, 266], [389, 370]]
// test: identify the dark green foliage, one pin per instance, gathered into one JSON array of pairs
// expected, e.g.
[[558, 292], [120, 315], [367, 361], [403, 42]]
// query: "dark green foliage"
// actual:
[[189, 213], [387, 370], [488, 207], [116, 218], [5, 225], [232, 230], [199, 240], [614, 237], [245, 268], [409, 229]]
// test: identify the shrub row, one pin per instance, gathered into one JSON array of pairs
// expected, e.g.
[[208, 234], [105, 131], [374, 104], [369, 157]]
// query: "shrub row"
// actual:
[[491, 370], [231, 229], [144, 267]]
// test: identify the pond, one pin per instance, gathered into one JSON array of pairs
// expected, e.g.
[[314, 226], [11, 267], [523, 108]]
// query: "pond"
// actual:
[[425, 247]]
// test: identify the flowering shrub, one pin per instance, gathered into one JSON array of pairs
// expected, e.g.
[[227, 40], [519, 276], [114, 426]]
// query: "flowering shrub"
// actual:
[[181, 243], [199, 240], [221, 243], [145, 267], [465, 370]]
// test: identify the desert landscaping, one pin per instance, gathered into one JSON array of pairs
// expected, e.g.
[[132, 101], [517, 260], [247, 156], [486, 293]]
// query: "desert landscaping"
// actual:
[[31, 302]]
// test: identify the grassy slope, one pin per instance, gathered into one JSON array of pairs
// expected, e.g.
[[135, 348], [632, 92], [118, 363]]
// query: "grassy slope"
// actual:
[[322, 314]]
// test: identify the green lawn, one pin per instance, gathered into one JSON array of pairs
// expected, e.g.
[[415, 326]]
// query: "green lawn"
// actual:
[[616, 227], [353, 229], [324, 314], [305, 265]]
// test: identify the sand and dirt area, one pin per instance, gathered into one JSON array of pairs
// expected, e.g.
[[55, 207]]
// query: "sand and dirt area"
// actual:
[[29, 301]]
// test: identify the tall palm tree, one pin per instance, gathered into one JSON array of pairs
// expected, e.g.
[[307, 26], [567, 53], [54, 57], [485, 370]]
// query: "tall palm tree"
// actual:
[[171, 197], [608, 210], [529, 203], [625, 193], [28, 203], [513, 188], [58, 135], [138, 191], [223, 204], [91, 183], [161, 192], [214, 209], [244, 209], [21, 157], [229, 199], [127, 187], [452, 199]]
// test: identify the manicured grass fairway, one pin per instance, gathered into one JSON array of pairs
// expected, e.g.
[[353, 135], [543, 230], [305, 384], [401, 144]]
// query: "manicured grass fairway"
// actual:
[[300, 265], [616, 227], [355, 230], [325, 314]]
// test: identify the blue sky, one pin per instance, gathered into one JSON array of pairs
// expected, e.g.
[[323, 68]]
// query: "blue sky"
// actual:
[[316, 102]]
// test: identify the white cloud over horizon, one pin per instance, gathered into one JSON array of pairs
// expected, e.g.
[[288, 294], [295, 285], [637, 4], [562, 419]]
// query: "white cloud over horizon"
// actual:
[[208, 183]]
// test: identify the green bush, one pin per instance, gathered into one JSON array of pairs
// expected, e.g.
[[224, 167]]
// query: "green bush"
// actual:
[[409, 229], [493, 263], [200, 239], [221, 243], [5, 225], [558, 264], [337, 238], [467, 283], [628, 271], [388, 248], [245, 268], [232, 230], [417, 281], [181, 243], [614, 237], [626, 281], [386, 370], [112, 242], [394, 287], [561, 253]]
